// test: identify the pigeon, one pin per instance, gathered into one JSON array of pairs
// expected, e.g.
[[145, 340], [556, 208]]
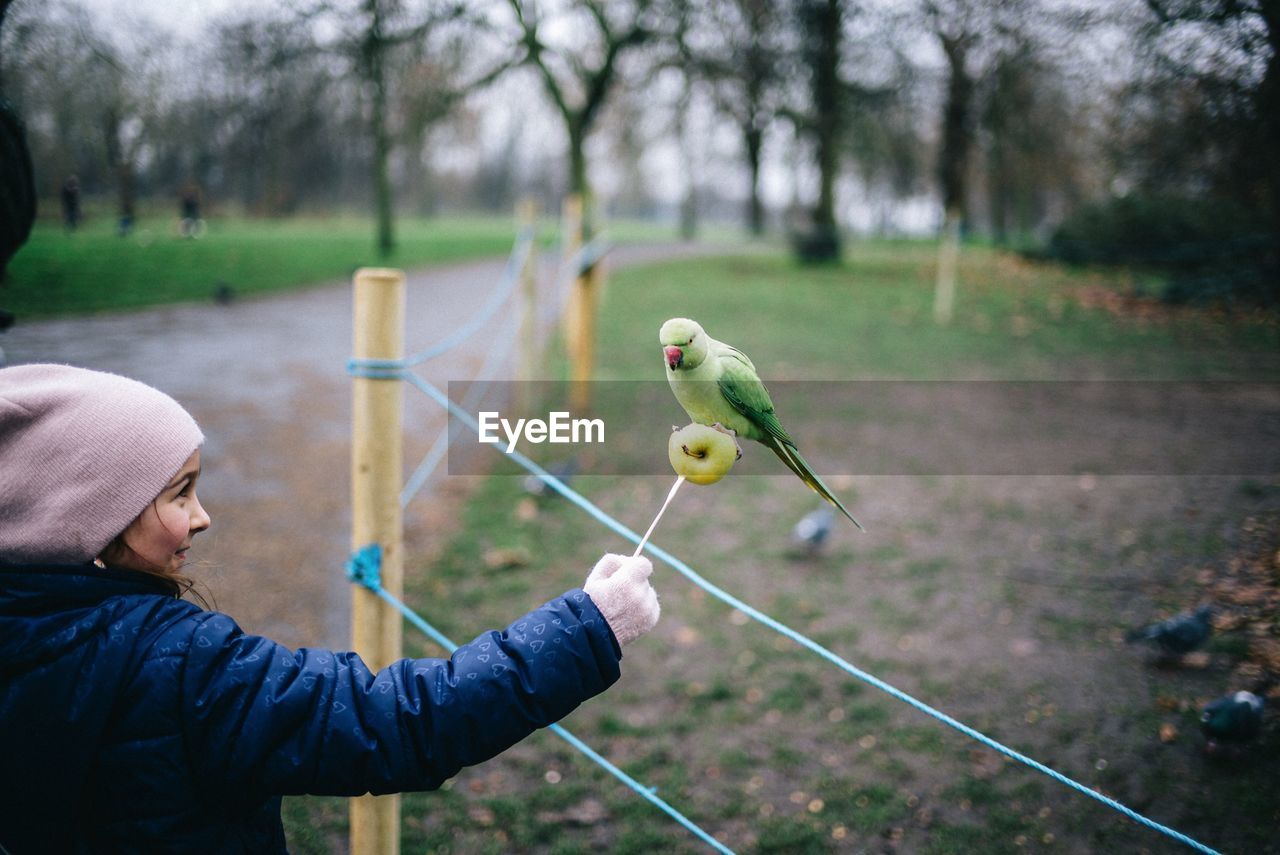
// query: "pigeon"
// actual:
[[1232, 720], [224, 294], [1177, 635], [564, 471], [810, 534]]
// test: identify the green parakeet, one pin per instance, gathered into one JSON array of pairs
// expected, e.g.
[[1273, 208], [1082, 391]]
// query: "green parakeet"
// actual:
[[717, 384]]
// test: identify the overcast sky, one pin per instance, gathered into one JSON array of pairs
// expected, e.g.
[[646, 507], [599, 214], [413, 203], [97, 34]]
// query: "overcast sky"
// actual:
[[188, 19]]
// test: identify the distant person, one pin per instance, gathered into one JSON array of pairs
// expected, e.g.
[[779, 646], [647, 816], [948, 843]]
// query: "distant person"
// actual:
[[71, 203], [190, 223], [132, 720]]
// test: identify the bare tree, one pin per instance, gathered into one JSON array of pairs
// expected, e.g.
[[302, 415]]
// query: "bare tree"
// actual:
[[835, 49], [822, 25], [387, 26], [91, 98], [962, 28], [1030, 133], [279, 104], [745, 57], [125, 86], [578, 80]]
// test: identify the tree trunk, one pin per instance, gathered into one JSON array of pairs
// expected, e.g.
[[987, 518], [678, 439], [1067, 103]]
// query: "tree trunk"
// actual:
[[689, 203], [957, 132], [753, 137], [125, 195], [120, 166], [824, 242], [998, 192], [382, 198], [953, 164], [579, 184], [577, 161], [381, 178]]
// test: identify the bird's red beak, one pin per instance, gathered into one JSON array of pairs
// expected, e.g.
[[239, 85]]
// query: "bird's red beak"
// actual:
[[674, 356]]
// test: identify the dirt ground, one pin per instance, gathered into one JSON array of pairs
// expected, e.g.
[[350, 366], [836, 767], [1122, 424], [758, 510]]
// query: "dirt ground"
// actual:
[[1001, 599]]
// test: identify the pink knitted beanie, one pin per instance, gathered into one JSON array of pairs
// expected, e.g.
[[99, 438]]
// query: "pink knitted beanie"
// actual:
[[82, 454]]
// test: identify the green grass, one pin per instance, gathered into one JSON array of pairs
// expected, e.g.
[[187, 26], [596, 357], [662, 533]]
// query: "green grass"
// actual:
[[870, 318], [94, 270], [752, 737]]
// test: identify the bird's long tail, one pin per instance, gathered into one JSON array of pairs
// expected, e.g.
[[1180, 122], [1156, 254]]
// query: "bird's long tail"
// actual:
[[790, 455]]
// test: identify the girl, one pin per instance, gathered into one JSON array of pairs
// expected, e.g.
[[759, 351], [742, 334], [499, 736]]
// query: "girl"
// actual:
[[133, 720]]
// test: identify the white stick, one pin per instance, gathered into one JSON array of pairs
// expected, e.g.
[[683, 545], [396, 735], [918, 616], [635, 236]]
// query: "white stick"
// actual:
[[661, 511]]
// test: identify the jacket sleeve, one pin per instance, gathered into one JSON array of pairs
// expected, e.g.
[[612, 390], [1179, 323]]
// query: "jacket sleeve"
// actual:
[[260, 718]]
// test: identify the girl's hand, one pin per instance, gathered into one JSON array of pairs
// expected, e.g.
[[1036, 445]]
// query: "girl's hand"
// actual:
[[619, 586]]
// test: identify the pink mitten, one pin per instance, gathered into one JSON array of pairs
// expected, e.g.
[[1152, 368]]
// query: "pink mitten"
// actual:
[[619, 586]]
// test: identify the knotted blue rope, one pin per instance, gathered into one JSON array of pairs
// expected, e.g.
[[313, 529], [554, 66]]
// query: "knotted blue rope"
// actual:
[[365, 569], [357, 368], [510, 278]]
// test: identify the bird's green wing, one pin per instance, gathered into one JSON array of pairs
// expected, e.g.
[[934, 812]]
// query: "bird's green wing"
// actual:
[[742, 388]]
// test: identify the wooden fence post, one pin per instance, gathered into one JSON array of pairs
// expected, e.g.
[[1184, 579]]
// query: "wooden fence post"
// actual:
[[530, 353], [570, 243], [944, 293], [376, 475], [580, 314], [587, 287]]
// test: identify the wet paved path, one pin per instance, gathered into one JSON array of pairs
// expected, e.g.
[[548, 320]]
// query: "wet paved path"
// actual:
[[266, 380]]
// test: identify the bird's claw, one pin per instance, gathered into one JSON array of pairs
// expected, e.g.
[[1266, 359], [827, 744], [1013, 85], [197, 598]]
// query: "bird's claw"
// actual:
[[732, 433]]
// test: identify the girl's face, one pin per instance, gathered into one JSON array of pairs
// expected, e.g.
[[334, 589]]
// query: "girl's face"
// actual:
[[158, 540]]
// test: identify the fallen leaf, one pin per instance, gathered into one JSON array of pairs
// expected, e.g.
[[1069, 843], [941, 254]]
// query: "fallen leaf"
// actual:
[[1197, 660], [526, 509], [687, 636], [587, 812], [503, 559], [985, 763]]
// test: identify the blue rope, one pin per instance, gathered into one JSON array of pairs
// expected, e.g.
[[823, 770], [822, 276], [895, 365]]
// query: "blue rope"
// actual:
[[590, 255], [510, 278], [803, 640], [474, 395], [363, 568], [587, 256]]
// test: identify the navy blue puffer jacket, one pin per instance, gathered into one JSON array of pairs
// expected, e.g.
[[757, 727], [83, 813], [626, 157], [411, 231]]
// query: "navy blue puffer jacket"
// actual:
[[133, 721]]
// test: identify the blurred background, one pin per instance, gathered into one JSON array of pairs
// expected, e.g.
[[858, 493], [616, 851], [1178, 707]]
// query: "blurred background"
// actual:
[[930, 192], [1135, 131]]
